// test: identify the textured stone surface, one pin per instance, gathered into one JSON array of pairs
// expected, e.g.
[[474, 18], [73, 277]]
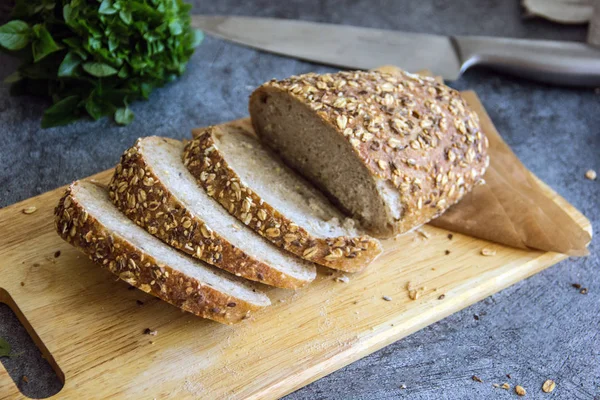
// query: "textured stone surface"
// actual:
[[538, 329]]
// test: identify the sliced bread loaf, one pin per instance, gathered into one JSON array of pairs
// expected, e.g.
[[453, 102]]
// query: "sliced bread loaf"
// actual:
[[86, 218], [395, 151], [253, 184], [153, 188]]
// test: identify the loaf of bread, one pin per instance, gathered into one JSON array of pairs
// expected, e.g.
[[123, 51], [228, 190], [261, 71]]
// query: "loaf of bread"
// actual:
[[252, 183], [86, 218], [153, 188], [392, 151]]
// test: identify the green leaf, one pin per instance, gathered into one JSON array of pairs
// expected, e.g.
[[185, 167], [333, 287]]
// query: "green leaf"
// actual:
[[69, 64], [145, 89], [175, 27], [14, 77], [196, 38], [123, 74], [107, 8], [125, 16], [4, 348], [99, 70], [62, 112], [123, 116], [14, 35], [43, 44], [113, 43], [74, 44], [69, 14], [94, 107]]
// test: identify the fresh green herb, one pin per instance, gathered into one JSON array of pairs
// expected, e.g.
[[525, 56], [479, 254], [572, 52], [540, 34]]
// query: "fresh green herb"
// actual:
[[123, 116], [4, 348], [94, 57], [14, 35]]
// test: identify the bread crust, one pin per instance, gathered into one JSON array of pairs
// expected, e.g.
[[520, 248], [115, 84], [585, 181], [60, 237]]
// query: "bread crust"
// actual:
[[211, 170], [138, 268], [138, 192], [408, 130]]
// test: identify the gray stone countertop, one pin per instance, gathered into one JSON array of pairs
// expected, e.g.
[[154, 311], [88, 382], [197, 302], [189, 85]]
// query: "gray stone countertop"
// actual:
[[541, 328]]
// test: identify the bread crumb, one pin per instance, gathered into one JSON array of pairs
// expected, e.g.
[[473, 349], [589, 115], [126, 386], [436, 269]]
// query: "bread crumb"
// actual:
[[442, 297], [477, 379], [343, 279], [414, 293], [505, 386], [150, 332], [423, 233], [25, 379], [29, 210], [403, 386], [488, 252], [520, 390], [591, 174], [387, 298], [548, 386], [450, 236]]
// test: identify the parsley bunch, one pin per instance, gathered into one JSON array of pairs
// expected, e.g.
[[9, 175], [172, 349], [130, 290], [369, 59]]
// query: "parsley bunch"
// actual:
[[96, 56]]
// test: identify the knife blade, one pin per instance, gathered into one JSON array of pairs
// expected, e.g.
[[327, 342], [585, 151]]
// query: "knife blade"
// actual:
[[352, 47]]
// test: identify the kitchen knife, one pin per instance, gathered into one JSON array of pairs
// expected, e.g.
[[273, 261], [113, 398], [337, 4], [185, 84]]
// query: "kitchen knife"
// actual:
[[557, 62]]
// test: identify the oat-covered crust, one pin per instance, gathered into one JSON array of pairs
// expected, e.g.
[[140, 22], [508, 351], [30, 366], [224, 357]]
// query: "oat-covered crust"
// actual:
[[204, 160], [82, 230], [139, 194], [410, 130]]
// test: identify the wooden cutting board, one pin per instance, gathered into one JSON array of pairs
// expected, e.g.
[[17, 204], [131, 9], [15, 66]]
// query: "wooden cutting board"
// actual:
[[90, 327]]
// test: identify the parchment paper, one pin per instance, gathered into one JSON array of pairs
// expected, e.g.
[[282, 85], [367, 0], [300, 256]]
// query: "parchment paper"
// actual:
[[511, 208]]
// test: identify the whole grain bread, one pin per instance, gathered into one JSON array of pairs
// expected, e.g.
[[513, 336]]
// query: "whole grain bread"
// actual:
[[86, 218], [252, 183], [393, 151], [154, 189]]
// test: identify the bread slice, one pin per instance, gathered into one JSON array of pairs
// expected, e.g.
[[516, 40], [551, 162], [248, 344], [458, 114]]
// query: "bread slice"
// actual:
[[254, 185], [153, 188], [394, 151], [86, 218]]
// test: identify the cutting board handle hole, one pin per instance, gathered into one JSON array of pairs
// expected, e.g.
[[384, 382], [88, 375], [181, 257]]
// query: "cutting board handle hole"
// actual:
[[31, 366]]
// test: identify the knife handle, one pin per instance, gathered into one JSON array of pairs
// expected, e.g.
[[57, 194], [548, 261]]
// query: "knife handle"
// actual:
[[565, 63]]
